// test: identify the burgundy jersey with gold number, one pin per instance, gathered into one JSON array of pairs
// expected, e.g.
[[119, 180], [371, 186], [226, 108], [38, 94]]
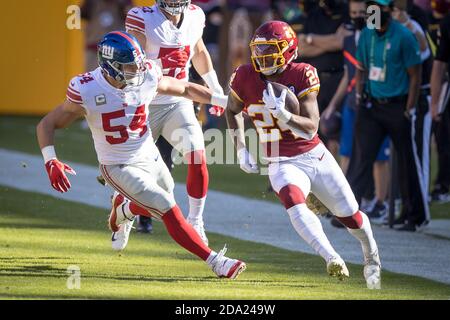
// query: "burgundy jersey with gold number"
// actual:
[[277, 139]]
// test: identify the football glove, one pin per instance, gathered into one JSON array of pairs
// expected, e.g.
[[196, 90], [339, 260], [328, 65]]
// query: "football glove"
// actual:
[[216, 111], [56, 174], [175, 59], [247, 162], [276, 105]]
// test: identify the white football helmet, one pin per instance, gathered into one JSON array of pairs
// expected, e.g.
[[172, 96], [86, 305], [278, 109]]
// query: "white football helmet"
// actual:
[[173, 7]]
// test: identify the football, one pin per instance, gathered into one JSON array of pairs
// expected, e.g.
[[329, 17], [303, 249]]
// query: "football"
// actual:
[[292, 104]]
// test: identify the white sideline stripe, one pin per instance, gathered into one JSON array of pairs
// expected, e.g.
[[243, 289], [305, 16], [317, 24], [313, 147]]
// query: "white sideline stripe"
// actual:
[[248, 219], [419, 169]]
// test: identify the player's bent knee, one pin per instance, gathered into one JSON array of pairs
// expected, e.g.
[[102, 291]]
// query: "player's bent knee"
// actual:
[[354, 221], [291, 195]]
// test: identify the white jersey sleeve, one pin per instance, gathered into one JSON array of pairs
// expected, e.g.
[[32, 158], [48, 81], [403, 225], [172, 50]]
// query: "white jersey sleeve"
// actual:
[[199, 20], [135, 20], [73, 92]]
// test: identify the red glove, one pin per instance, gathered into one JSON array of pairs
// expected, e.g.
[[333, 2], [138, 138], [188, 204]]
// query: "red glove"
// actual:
[[216, 111], [175, 59], [58, 179]]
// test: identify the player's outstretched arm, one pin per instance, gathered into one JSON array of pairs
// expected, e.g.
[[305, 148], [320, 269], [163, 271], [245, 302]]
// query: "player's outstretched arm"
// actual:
[[236, 126], [174, 87], [60, 117], [235, 122]]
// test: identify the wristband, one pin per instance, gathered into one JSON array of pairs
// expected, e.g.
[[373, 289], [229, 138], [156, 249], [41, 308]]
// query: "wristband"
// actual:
[[48, 153], [218, 99], [241, 153], [284, 116]]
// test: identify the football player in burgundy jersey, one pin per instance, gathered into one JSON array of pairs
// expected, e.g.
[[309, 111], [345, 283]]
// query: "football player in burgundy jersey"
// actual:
[[298, 161]]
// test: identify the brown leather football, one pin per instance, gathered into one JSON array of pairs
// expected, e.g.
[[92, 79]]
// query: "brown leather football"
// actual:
[[292, 104]]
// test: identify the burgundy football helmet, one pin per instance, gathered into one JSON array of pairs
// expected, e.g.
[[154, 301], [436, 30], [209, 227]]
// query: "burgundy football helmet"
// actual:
[[273, 46]]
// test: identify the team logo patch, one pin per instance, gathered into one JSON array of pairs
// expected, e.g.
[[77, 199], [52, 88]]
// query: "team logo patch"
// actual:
[[108, 52], [100, 100]]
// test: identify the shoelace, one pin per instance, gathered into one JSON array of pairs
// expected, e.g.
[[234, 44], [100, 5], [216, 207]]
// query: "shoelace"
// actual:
[[219, 256]]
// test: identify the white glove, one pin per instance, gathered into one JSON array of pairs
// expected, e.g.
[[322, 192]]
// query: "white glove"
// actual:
[[276, 105], [246, 161]]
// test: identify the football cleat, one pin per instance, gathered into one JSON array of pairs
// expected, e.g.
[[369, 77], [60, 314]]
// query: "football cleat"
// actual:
[[145, 225], [117, 215], [199, 227], [225, 267], [336, 268], [372, 271], [119, 239]]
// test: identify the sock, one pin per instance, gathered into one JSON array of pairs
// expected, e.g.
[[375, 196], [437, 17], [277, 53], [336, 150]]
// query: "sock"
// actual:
[[196, 207], [183, 233], [197, 184], [308, 226], [132, 209], [358, 226], [211, 258]]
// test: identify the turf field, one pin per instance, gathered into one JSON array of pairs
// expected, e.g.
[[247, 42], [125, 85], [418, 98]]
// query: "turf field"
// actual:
[[41, 236]]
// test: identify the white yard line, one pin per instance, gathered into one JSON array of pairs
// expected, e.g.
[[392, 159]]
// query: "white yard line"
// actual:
[[248, 219]]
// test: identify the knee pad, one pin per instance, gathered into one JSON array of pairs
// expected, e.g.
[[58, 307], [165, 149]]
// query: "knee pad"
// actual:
[[353, 222], [291, 195]]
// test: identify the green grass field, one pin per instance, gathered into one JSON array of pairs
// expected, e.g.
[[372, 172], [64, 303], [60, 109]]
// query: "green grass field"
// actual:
[[40, 239], [41, 236]]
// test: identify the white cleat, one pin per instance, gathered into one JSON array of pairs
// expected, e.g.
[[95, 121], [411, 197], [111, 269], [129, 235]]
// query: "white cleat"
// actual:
[[336, 268], [117, 215], [119, 239], [225, 267], [199, 227], [372, 272]]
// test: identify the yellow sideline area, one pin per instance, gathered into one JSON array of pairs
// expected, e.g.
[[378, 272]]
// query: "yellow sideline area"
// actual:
[[39, 54]]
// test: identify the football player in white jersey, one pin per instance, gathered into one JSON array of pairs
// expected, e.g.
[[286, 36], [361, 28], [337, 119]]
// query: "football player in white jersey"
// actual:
[[171, 34], [114, 99]]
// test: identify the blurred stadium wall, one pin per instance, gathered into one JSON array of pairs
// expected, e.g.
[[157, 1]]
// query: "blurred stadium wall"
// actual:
[[39, 54]]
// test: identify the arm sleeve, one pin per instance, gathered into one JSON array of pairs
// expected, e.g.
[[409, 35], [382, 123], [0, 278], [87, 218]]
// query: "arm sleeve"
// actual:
[[237, 82], [443, 52], [410, 50], [135, 21]]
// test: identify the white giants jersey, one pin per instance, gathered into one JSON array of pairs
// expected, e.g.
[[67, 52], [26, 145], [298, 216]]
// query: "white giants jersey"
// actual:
[[163, 38], [117, 118]]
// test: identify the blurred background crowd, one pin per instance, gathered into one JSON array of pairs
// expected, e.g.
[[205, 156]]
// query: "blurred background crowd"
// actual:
[[329, 34]]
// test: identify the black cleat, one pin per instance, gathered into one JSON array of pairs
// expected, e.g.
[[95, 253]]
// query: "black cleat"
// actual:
[[440, 195], [379, 213], [144, 225], [407, 227], [101, 180]]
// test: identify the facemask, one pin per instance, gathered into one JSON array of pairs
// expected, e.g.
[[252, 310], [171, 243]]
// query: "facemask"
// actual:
[[359, 23]]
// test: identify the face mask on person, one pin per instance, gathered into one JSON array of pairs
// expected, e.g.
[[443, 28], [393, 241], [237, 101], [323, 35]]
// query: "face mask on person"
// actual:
[[359, 23], [385, 17]]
